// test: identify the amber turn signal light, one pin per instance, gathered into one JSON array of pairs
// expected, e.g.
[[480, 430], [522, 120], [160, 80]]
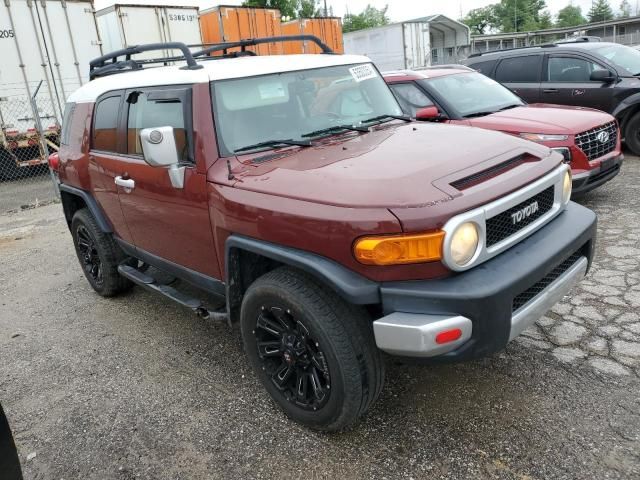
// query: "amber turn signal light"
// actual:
[[399, 249]]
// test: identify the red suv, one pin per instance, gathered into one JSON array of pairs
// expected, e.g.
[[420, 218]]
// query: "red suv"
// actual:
[[588, 139], [332, 227]]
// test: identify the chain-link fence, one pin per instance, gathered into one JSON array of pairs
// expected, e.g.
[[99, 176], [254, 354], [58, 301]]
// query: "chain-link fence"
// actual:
[[29, 133]]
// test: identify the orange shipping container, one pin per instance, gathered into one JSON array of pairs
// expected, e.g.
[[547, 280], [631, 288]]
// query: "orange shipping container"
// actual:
[[230, 24], [328, 29]]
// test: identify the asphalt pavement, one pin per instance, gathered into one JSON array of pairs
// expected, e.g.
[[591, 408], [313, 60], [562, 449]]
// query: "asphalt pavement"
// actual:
[[138, 388]]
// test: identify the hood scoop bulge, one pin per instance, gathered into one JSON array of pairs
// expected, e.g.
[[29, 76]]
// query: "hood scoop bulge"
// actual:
[[492, 172]]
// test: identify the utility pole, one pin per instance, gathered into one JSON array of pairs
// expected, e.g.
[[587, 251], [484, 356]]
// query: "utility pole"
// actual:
[[515, 15]]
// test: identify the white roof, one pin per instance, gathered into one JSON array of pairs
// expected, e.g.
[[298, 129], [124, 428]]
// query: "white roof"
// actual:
[[220, 69]]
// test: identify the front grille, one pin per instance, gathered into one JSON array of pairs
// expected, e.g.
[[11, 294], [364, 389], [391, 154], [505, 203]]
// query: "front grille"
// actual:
[[533, 291], [592, 144], [502, 226]]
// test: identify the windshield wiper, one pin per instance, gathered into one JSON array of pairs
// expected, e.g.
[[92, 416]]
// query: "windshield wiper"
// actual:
[[335, 128], [478, 114], [274, 143], [379, 118], [508, 107]]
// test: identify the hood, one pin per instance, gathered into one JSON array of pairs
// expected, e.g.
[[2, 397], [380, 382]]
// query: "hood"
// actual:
[[543, 118], [398, 166]]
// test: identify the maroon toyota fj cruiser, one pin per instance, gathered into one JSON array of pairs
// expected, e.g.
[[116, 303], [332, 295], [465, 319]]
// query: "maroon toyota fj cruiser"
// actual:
[[335, 228]]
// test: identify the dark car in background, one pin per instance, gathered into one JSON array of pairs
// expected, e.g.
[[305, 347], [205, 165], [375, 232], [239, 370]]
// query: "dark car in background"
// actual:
[[588, 139], [589, 73]]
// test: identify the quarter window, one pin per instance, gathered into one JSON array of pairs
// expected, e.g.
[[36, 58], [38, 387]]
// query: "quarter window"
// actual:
[[519, 69], [410, 97], [66, 123], [570, 69], [145, 113], [105, 126]]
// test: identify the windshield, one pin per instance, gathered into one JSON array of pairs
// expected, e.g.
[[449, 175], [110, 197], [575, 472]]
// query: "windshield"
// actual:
[[472, 93], [626, 57], [297, 106]]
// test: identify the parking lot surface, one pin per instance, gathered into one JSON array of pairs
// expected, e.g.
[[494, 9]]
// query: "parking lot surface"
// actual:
[[135, 387]]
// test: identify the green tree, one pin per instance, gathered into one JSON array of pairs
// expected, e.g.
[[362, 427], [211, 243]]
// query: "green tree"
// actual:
[[570, 16], [370, 17], [481, 20], [288, 8], [625, 9], [600, 11], [309, 9], [545, 21], [519, 15]]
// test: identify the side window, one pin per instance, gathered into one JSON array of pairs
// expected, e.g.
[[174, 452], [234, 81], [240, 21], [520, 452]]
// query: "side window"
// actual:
[[570, 69], [105, 124], [484, 67], [410, 97], [145, 113], [66, 123], [519, 69]]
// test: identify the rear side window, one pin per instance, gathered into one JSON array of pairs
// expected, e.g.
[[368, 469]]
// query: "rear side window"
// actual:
[[519, 69], [145, 113], [66, 123], [484, 67], [410, 97], [105, 125]]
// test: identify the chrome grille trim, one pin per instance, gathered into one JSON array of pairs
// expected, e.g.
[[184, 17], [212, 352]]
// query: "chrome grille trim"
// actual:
[[480, 215], [592, 147]]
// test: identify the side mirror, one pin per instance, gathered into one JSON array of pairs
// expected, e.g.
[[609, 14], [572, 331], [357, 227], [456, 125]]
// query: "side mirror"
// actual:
[[428, 113], [602, 76], [160, 150]]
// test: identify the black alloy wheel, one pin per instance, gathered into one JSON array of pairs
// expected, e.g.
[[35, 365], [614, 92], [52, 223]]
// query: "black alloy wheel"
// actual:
[[88, 253], [292, 358]]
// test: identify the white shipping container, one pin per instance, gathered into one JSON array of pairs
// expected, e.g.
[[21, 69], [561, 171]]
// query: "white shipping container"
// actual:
[[46, 43], [404, 45], [123, 26]]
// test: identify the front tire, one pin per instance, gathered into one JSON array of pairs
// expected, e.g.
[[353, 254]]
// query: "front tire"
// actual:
[[632, 134], [98, 254], [314, 353]]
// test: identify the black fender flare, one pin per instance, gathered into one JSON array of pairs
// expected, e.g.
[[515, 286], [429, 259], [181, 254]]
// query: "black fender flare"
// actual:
[[91, 204], [351, 286], [620, 111]]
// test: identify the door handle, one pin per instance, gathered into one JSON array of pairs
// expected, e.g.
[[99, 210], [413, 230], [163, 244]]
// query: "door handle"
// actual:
[[128, 183], [550, 90]]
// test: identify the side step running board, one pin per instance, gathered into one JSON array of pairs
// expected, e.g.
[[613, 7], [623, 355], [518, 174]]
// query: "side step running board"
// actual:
[[149, 283]]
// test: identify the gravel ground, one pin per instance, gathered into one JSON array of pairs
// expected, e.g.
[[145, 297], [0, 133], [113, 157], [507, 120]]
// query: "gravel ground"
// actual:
[[28, 191], [135, 387]]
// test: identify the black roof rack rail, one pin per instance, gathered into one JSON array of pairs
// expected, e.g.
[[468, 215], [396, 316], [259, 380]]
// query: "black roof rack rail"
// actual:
[[243, 44], [109, 64], [557, 43]]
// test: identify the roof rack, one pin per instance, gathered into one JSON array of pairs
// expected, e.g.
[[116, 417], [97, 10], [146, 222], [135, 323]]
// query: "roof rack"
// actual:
[[111, 64], [243, 44], [582, 39], [445, 66]]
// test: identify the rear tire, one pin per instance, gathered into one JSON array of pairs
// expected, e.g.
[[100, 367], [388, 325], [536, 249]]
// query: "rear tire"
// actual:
[[99, 255], [632, 134], [294, 328]]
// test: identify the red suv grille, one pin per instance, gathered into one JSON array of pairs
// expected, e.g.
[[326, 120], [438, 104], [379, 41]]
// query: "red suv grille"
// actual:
[[598, 141]]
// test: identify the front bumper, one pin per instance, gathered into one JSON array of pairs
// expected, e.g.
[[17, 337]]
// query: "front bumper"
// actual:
[[587, 181], [492, 303]]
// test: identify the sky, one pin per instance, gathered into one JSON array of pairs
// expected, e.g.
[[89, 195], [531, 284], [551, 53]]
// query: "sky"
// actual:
[[398, 9]]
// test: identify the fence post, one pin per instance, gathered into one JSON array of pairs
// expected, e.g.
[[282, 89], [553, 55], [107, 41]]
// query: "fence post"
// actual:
[[43, 144]]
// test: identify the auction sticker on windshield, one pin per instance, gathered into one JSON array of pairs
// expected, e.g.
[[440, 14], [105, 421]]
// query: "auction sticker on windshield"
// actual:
[[363, 72]]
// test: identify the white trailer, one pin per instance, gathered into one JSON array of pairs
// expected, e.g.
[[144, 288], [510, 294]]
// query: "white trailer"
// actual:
[[123, 26], [45, 46], [413, 44]]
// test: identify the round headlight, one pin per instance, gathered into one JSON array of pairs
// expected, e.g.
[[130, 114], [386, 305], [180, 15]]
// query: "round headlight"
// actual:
[[566, 187], [464, 243]]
